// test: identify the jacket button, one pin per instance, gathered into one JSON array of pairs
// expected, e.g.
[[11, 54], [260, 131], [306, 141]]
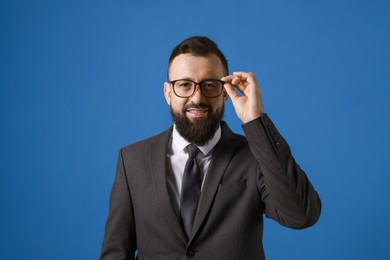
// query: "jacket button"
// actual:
[[190, 253]]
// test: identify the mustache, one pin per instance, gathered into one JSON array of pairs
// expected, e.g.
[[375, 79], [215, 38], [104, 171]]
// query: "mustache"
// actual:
[[197, 106]]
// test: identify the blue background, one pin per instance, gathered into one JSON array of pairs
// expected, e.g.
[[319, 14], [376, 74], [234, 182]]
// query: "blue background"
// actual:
[[80, 79]]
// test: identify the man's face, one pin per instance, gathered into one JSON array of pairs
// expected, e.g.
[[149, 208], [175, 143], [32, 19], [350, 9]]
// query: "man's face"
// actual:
[[196, 117]]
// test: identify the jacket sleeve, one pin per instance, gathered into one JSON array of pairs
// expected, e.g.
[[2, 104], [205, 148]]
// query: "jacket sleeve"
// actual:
[[286, 191], [119, 238]]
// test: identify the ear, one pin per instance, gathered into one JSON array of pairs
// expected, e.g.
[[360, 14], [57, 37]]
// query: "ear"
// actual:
[[167, 92], [225, 95]]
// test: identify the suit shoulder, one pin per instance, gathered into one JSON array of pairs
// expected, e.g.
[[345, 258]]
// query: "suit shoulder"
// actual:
[[145, 143], [230, 135]]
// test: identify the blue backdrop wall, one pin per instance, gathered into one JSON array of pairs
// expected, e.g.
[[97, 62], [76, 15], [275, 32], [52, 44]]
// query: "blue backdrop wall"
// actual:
[[80, 79]]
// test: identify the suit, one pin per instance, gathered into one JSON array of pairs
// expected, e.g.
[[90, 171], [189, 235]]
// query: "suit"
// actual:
[[248, 177]]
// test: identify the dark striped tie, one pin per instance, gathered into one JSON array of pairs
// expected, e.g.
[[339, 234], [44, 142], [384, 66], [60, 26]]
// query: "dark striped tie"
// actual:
[[190, 190]]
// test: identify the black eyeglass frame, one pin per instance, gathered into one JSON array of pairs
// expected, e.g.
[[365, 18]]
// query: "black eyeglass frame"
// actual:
[[197, 84]]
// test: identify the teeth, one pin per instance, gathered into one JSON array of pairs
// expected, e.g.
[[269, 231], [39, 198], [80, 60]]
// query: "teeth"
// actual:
[[198, 111]]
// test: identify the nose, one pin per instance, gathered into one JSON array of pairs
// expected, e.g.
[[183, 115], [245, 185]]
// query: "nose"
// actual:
[[198, 96]]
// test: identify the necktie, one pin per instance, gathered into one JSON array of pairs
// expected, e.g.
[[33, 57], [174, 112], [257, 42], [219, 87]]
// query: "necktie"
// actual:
[[190, 190]]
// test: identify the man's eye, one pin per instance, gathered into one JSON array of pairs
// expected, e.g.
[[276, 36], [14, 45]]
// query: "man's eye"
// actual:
[[185, 85], [209, 84]]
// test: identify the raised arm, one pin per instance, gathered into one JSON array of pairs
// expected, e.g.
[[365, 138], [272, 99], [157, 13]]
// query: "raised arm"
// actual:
[[286, 191]]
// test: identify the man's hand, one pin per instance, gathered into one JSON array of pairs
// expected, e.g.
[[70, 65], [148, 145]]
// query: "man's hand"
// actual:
[[249, 106]]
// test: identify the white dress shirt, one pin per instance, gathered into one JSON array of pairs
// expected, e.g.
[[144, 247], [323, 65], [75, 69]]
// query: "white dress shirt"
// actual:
[[177, 157]]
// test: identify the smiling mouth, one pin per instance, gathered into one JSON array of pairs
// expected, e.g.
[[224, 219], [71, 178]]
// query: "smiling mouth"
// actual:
[[197, 110], [197, 113]]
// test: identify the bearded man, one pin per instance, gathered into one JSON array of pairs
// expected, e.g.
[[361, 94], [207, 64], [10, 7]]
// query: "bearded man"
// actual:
[[198, 190]]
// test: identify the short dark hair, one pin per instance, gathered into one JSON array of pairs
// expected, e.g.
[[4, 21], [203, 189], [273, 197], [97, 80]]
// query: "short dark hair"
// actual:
[[198, 46]]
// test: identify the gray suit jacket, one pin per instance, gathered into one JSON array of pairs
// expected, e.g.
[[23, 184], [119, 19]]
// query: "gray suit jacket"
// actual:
[[248, 177]]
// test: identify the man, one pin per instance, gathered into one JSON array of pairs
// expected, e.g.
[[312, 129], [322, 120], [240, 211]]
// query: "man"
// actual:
[[197, 190]]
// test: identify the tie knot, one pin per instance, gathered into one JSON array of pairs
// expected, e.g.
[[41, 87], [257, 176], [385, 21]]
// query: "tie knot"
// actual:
[[193, 150]]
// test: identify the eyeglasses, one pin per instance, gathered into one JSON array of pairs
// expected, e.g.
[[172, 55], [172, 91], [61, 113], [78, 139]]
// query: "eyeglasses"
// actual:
[[185, 88]]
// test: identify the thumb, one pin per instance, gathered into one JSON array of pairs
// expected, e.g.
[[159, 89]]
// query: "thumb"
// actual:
[[231, 91]]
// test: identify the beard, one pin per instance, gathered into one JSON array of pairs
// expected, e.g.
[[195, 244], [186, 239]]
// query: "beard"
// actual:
[[201, 130]]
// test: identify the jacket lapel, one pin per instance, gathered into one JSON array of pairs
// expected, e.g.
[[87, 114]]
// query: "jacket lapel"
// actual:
[[222, 155], [158, 166]]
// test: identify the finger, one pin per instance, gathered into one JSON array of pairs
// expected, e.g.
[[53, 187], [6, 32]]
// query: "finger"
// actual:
[[231, 91], [243, 74], [235, 76], [228, 79], [246, 76], [235, 81], [241, 80]]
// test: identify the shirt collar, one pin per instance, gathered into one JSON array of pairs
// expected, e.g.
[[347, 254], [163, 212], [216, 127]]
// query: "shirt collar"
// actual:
[[179, 142]]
